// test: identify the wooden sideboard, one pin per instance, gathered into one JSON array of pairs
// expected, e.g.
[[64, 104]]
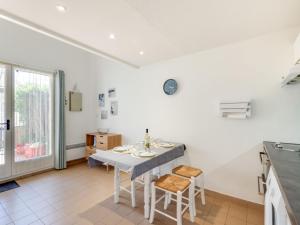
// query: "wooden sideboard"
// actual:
[[101, 141]]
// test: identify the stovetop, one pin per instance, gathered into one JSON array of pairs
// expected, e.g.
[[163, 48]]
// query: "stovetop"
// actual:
[[287, 147]]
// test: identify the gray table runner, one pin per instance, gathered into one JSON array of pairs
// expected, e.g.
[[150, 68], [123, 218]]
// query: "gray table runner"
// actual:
[[137, 166]]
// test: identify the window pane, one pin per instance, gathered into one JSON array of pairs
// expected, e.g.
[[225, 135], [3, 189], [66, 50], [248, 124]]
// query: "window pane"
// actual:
[[2, 115], [32, 114]]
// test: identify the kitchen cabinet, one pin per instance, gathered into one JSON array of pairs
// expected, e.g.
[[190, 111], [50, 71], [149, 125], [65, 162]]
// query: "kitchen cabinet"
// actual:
[[282, 199], [275, 209]]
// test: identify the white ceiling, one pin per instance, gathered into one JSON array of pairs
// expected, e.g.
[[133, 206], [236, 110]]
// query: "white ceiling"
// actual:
[[163, 29]]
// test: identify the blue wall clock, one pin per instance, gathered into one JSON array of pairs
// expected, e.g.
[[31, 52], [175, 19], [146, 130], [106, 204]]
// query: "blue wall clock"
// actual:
[[170, 86]]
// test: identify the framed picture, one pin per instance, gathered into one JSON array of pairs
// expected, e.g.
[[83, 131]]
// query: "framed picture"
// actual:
[[114, 108], [104, 115], [101, 99], [112, 92], [75, 101]]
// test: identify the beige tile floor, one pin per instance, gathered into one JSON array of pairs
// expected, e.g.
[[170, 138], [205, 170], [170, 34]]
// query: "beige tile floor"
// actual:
[[81, 195]]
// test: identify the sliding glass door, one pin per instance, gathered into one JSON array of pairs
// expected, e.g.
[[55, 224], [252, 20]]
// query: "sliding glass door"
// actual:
[[33, 116], [26, 116], [5, 122]]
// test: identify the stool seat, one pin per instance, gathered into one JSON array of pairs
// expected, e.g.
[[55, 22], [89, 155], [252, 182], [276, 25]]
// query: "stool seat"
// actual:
[[172, 183], [186, 171]]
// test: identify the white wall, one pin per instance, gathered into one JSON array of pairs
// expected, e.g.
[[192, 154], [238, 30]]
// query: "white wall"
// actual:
[[24, 47], [297, 49], [227, 150]]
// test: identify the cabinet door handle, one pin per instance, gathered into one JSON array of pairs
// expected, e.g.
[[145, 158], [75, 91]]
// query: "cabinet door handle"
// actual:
[[260, 156], [264, 183], [260, 180]]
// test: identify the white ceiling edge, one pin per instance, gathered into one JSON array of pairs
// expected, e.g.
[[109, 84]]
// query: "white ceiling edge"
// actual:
[[39, 29]]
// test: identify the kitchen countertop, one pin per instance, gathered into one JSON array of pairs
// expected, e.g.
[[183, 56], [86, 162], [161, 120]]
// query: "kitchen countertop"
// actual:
[[287, 170]]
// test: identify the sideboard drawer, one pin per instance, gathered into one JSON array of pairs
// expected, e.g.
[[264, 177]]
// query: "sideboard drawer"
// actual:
[[101, 138], [102, 146]]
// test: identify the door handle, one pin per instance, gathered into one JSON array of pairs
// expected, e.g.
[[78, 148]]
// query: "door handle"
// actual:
[[7, 124]]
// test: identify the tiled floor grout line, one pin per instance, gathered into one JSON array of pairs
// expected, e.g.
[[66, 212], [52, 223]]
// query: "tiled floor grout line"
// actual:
[[247, 215], [227, 214], [6, 212], [28, 207]]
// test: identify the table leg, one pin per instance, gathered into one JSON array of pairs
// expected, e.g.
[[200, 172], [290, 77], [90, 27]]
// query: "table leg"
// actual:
[[133, 203], [116, 184], [147, 180]]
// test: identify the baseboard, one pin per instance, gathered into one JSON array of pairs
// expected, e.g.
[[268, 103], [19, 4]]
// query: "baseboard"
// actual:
[[233, 199], [76, 161], [19, 177]]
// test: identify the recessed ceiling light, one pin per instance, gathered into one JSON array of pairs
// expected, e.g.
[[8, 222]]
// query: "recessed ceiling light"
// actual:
[[141, 53], [112, 36], [61, 8]]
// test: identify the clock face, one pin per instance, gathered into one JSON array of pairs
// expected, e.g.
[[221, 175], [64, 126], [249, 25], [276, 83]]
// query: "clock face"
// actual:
[[170, 86]]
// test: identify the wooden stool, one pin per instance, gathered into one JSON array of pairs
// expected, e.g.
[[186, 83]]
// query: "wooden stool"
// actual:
[[192, 174], [173, 185]]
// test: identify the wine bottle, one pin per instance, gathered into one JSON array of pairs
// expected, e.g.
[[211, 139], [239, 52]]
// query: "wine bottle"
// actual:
[[147, 139]]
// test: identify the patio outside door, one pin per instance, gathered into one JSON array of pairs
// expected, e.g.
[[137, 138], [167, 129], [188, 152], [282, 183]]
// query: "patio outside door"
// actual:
[[26, 116]]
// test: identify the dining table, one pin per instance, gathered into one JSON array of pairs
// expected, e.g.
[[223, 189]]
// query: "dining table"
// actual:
[[137, 166]]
